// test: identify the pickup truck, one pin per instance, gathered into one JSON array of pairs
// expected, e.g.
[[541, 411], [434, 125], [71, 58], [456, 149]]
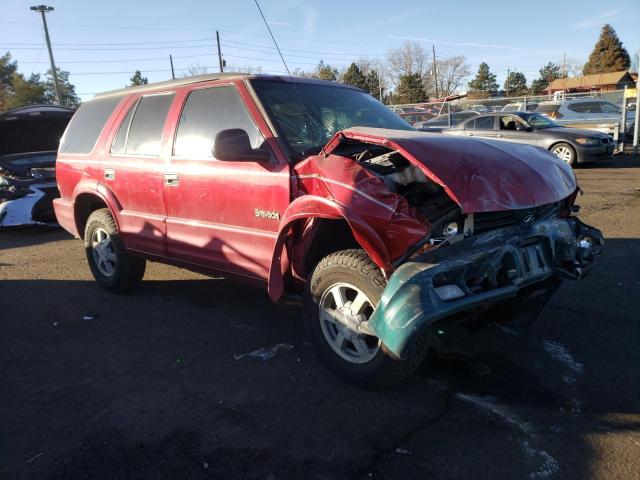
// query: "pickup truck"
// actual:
[[315, 189]]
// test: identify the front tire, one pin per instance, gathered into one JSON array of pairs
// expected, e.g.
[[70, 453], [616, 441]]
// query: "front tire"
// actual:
[[342, 292], [110, 263], [564, 152]]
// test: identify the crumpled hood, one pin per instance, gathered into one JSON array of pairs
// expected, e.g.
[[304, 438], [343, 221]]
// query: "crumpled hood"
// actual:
[[480, 175]]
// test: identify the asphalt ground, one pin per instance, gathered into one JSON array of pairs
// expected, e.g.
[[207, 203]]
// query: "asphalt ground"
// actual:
[[153, 384]]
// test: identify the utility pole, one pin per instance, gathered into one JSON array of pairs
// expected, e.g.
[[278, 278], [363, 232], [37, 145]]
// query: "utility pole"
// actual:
[[564, 71], [506, 84], [43, 9], [435, 70], [219, 53], [173, 74], [636, 129]]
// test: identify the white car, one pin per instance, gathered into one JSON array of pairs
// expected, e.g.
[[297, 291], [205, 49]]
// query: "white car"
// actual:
[[519, 107], [586, 111]]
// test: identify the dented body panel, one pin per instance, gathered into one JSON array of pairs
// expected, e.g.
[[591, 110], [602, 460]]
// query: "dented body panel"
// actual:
[[480, 175]]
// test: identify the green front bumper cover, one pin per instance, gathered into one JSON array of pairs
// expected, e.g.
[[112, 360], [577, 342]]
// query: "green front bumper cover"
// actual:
[[489, 268]]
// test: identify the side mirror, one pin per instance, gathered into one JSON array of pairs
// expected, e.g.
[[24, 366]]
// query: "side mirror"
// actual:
[[233, 144], [523, 128]]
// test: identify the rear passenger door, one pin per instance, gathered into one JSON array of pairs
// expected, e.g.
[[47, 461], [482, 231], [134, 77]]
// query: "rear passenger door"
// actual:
[[222, 214], [482, 126], [133, 171]]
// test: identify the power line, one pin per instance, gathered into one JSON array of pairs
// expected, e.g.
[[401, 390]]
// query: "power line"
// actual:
[[208, 39]]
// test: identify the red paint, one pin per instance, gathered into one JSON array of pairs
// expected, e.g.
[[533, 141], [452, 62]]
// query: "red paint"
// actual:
[[208, 223]]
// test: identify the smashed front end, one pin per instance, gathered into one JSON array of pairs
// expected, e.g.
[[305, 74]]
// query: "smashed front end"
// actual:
[[486, 230], [27, 189]]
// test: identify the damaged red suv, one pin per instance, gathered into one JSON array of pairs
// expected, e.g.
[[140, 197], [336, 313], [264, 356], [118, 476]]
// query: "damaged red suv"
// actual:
[[312, 187]]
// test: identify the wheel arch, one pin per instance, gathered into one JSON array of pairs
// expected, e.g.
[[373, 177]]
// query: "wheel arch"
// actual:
[[88, 200], [319, 226]]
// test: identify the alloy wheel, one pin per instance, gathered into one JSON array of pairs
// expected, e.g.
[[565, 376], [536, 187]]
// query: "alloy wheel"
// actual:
[[103, 252], [345, 309]]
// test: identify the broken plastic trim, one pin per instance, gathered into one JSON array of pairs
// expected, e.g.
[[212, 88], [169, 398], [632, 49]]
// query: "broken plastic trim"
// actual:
[[488, 268]]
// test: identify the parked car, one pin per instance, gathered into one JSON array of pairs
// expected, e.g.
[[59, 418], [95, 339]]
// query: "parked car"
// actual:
[[569, 144], [520, 107], [444, 120], [479, 108], [29, 137], [311, 187], [582, 110]]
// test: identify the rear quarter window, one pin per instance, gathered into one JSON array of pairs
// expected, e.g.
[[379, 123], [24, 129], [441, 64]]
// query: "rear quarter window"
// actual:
[[145, 132], [86, 125]]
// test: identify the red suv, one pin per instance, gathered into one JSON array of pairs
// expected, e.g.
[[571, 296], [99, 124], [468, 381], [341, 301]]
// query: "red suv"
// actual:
[[313, 187]]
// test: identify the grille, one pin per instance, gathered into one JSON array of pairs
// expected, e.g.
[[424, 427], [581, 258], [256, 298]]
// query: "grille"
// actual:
[[606, 141], [485, 221]]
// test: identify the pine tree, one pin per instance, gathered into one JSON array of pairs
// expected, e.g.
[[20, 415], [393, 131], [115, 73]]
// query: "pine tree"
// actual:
[[484, 82], [548, 73], [25, 91], [410, 89], [354, 76], [67, 89], [373, 83], [325, 71], [608, 55], [515, 84], [138, 79]]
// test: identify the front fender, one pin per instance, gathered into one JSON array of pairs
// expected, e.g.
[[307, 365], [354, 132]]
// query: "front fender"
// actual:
[[311, 206]]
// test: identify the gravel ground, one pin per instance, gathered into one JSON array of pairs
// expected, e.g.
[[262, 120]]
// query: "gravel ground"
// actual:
[[151, 385]]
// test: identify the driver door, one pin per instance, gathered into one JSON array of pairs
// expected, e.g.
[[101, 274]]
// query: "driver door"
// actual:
[[508, 130], [222, 214]]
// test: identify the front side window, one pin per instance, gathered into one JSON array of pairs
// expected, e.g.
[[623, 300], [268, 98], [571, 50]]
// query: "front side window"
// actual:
[[145, 132], [207, 112], [87, 123]]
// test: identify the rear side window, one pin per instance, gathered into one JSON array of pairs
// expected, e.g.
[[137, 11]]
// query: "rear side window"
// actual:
[[86, 125], [549, 109], [482, 123], [145, 132], [206, 112]]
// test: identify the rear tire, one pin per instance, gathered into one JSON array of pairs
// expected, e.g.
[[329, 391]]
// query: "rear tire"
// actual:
[[350, 278], [111, 265], [564, 152]]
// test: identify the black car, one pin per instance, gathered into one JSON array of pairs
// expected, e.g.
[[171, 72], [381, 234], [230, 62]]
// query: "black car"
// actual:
[[29, 138], [569, 144]]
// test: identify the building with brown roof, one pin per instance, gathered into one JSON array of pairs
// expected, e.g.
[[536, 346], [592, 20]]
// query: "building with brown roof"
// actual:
[[598, 82]]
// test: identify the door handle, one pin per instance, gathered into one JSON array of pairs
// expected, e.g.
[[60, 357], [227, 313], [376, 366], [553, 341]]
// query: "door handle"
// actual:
[[109, 174], [171, 179]]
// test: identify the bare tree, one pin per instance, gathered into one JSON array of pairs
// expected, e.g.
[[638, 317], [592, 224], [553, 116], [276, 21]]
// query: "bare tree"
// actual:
[[572, 67], [196, 69], [409, 59], [451, 73]]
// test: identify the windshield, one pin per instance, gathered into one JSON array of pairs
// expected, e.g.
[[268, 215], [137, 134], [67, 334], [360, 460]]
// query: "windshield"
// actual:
[[327, 110], [539, 121]]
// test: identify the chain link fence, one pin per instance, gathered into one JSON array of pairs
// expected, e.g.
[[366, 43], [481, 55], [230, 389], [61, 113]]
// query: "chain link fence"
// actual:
[[611, 112]]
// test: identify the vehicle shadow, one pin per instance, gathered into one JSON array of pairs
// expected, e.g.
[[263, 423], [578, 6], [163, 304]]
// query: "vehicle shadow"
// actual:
[[151, 385], [626, 160], [18, 237]]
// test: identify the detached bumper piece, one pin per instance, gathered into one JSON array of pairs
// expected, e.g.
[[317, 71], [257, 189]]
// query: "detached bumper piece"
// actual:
[[505, 268]]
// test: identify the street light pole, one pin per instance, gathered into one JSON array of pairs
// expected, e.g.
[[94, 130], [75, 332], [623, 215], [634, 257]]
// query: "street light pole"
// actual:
[[43, 9]]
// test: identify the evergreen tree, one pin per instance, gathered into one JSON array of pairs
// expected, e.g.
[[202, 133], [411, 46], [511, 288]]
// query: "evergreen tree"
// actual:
[[7, 70], [548, 73], [29, 91], [354, 76], [67, 89], [325, 71], [608, 55], [372, 81], [484, 82], [515, 84], [138, 79], [410, 89]]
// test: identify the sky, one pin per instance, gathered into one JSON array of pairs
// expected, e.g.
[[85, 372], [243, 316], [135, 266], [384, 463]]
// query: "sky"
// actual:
[[102, 44]]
